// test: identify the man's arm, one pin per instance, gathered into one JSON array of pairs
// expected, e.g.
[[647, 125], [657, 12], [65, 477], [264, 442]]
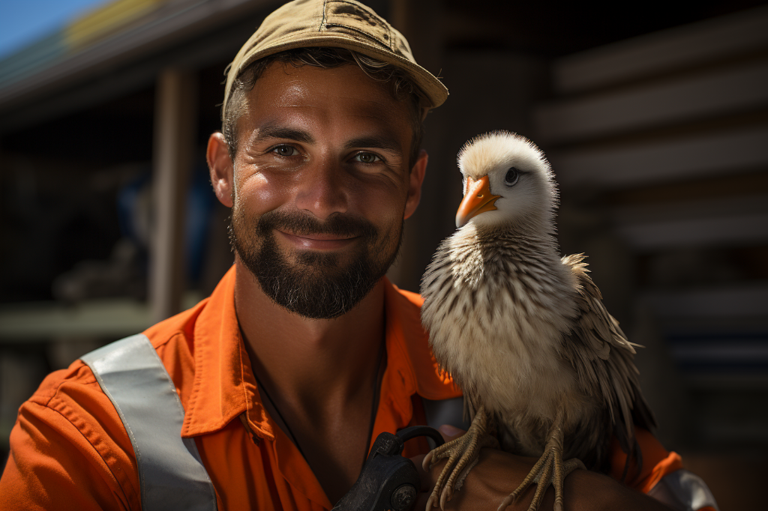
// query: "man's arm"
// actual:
[[498, 473], [69, 451]]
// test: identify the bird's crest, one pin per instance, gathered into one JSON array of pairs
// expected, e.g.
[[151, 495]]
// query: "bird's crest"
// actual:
[[488, 150]]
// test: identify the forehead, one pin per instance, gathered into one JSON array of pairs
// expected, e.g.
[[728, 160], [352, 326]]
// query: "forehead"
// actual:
[[310, 96], [486, 153]]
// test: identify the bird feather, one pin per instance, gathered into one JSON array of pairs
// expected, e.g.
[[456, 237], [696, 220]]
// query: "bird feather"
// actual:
[[524, 332]]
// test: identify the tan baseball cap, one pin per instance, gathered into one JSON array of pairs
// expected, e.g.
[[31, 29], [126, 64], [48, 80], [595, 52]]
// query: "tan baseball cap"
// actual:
[[334, 23]]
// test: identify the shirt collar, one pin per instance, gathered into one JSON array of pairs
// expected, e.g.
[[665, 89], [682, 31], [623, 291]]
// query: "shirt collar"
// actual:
[[224, 386]]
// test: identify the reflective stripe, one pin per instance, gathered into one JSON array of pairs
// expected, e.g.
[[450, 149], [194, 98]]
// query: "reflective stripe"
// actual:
[[683, 491], [171, 474]]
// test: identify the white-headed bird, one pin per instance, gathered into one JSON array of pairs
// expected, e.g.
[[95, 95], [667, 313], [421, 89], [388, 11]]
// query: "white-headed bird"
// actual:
[[545, 369]]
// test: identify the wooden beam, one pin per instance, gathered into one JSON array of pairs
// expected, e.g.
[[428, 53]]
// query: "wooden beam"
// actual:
[[730, 303], [663, 52], [719, 91], [105, 318], [725, 231], [175, 118], [714, 154]]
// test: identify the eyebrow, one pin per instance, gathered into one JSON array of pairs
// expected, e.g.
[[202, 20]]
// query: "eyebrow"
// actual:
[[375, 142], [275, 131], [270, 130]]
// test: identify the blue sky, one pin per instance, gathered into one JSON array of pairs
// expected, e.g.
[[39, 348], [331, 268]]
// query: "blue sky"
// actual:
[[24, 21]]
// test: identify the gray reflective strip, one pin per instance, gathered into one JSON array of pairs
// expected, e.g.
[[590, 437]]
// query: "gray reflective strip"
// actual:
[[170, 471], [445, 411], [684, 491]]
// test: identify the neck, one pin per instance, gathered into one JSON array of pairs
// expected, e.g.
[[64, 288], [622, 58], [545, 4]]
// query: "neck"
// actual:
[[303, 356], [539, 229], [319, 377]]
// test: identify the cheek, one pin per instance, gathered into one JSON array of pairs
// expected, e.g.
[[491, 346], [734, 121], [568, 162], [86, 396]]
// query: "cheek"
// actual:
[[383, 205], [389, 221], [259, 193]]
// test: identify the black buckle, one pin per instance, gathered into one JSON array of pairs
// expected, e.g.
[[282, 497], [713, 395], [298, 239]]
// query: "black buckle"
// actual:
[[388, 481]]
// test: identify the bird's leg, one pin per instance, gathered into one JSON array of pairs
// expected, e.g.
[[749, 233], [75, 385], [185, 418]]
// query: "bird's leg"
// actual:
[[463, 453], [542, 472]]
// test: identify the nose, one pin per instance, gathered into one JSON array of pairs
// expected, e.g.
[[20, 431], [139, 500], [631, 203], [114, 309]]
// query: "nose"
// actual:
[[324, 189]]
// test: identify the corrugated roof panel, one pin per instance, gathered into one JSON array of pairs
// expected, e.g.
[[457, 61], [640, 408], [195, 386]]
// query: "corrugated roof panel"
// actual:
[[106, 20], [35, 56], [81, 33], [116, 35]]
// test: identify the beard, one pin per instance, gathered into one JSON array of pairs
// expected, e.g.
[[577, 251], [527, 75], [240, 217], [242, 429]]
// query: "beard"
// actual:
[[319, 285]]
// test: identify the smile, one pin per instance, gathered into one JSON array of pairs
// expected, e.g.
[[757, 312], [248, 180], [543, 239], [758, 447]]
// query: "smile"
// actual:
[[318, 241]]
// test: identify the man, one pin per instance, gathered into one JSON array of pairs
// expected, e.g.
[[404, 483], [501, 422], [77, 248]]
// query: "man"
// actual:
[[305, 352]]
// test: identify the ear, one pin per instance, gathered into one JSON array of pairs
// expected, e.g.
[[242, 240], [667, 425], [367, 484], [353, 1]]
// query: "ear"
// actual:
[[415, 181], [221, 168]]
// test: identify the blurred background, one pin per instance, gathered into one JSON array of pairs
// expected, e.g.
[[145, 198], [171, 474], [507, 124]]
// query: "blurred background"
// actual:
[[654, 116]]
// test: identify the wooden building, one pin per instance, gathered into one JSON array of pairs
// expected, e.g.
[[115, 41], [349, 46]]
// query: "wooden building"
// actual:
[[654, 116]]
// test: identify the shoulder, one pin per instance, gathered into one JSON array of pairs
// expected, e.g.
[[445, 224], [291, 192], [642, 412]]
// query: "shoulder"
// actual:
[[409, 298], [180, 327], [403, 310], [69, 438], [408, 345], [174, 340]]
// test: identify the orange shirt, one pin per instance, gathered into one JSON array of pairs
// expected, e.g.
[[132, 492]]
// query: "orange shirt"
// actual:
[[69, 449]]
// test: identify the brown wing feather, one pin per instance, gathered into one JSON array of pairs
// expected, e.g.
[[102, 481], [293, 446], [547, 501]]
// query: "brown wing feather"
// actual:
[[602, 357]]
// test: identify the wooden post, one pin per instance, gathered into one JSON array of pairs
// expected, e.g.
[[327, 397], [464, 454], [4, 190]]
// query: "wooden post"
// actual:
[[421, 23], [175, 118]]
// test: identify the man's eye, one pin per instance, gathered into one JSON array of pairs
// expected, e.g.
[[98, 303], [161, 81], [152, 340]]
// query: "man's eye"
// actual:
[[285, 150], [367, 158]]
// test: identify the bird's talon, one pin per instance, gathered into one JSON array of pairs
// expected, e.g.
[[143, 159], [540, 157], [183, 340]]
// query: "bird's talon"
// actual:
[[508, 500], [445, 496], [462, 453], [425, 463]]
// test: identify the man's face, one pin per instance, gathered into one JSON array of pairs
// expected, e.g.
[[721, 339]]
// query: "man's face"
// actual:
[[321, 186]]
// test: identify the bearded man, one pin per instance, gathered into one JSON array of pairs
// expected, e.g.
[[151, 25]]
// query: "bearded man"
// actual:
[[305, 352]]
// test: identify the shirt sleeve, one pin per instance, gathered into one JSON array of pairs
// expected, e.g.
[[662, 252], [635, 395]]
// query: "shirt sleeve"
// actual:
[[68, 451], [659, 465]]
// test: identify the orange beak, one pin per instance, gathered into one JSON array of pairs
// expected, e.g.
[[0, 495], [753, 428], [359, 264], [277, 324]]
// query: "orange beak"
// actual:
[[477, 199]]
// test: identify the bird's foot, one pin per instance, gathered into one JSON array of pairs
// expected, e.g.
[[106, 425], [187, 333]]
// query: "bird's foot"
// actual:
[[550, 469], [463, 453]]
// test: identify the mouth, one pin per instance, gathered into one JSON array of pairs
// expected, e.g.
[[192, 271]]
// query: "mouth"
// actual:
[[318, 241]]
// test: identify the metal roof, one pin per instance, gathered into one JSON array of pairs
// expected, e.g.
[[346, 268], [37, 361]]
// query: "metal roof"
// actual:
[[119, 47]]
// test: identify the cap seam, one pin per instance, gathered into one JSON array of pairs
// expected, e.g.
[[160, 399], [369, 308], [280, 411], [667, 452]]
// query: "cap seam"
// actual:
[[322, 22], [381, 22], [367, 37]]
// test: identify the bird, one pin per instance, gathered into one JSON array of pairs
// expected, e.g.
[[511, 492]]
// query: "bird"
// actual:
[[545, 370]]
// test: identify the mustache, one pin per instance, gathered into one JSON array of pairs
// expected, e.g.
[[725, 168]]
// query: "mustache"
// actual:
[[303, 224]]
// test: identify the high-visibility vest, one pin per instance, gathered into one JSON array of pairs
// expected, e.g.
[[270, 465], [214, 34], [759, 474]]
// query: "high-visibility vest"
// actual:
[[171, 474]]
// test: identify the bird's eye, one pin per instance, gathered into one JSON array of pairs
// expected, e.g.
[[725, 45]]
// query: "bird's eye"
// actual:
[[512, 176]]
